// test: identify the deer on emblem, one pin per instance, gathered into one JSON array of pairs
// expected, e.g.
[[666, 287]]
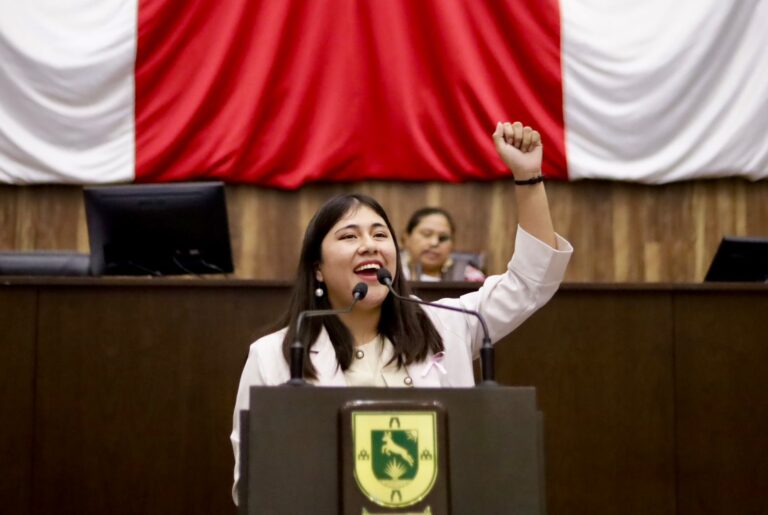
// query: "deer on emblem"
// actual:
[[390, 447]]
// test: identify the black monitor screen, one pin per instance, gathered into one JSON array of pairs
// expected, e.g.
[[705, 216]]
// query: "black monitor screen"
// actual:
[[740, 260], [158, 229]]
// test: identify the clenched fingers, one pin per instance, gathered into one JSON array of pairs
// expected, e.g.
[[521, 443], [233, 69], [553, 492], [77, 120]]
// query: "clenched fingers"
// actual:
[[513, 133]]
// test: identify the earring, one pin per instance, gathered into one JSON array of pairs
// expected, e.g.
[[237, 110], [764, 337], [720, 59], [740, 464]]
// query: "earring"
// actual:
[[319, 292]]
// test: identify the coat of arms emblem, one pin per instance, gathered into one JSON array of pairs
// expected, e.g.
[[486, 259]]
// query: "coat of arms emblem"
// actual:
[[395, 455]]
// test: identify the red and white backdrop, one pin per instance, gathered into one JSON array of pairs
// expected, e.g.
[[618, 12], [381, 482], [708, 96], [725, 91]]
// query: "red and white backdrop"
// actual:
[[284, 92]]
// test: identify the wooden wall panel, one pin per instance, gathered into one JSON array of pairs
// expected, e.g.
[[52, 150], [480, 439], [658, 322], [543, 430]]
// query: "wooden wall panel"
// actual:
[[18, 319], [621, 232], [135, 396], [9, 212], [654, 396], [42, 218], [605, 387], [722, 399], [602, 364]]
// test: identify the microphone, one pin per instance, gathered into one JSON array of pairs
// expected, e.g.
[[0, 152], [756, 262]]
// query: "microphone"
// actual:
[[486, 350], [297, 348]]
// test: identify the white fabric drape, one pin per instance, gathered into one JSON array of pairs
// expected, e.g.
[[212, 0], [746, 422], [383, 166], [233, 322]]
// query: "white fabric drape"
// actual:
[[66, 90], [654, 91], [658, 91]]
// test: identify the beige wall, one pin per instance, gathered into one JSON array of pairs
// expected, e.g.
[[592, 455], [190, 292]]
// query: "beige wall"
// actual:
[[621, 232]]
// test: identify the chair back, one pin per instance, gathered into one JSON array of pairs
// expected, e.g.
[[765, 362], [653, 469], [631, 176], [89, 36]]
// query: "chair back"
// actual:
[[460, 261]]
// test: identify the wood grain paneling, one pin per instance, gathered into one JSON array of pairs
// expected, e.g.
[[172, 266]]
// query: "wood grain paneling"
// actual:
[[135, 397], [18, 308], [653, 395], [722, 399], [621, 232], [42, 218], [603, 368], [606, 391]]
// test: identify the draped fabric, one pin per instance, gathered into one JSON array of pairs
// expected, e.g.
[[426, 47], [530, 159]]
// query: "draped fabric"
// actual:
[[664, 91], [341, 90], [66, 91], [281, 93]]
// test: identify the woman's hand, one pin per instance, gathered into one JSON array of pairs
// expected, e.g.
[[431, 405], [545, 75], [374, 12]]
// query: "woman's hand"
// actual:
[[520, 148]]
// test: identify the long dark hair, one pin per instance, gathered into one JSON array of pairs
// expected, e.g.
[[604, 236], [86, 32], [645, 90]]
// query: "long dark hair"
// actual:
[[405, 324]]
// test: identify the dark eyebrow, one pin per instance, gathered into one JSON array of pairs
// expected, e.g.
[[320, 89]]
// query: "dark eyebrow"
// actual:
[[375, 225]]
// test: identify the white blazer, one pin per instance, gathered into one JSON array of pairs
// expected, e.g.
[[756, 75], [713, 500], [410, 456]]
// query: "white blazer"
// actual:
[[533, 275]]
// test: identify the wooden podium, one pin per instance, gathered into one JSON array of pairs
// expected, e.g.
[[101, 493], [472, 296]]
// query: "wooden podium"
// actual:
[[298, 454]]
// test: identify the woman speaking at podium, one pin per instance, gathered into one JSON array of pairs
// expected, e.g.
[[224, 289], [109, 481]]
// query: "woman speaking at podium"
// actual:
[[383, 341]]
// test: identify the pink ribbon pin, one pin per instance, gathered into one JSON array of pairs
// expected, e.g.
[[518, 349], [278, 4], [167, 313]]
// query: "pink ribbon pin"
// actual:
[[436, 359]]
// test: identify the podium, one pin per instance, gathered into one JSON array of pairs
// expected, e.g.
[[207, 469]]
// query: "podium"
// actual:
[[300, 447]]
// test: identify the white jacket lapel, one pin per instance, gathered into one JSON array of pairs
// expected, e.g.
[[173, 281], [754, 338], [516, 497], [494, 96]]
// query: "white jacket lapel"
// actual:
[[323, 357]]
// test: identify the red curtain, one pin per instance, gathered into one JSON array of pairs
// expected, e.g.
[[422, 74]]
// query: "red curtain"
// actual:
[[284, 92]]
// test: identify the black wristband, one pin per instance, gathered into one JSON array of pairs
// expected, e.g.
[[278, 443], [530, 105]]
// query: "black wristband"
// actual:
[[532, 180]]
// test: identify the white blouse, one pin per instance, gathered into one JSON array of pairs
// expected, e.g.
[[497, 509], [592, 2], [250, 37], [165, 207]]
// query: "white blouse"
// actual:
[[371, 366]]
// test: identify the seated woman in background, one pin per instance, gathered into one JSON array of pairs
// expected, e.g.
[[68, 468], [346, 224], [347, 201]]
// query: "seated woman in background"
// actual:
[[384, 341], [427, 248]]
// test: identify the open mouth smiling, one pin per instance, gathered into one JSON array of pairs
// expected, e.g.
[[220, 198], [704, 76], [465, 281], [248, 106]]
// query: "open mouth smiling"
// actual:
[[368, 270]]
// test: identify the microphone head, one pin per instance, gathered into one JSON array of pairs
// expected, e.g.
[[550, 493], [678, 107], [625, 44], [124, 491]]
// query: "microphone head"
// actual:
[[360, 291], [384, 277]]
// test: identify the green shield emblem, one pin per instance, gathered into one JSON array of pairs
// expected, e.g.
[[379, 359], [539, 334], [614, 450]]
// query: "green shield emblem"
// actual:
[[395, 455]]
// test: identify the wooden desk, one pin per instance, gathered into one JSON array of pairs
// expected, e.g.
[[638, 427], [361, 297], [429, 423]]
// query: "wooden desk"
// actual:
[[116, 395]]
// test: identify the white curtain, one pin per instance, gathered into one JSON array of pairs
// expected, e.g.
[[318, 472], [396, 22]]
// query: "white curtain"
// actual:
[[66, 90], [658, 91]]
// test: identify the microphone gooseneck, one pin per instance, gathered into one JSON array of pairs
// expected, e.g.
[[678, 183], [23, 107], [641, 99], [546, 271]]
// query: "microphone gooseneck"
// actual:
[[297, 351], [486, 350]]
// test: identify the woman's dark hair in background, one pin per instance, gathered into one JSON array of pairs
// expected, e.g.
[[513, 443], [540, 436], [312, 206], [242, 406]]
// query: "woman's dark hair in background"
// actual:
[[405, 324], [416, 217]]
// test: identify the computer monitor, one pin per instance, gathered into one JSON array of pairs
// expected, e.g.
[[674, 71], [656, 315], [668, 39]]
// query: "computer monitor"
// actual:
[[740, 259], [158, 229]]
